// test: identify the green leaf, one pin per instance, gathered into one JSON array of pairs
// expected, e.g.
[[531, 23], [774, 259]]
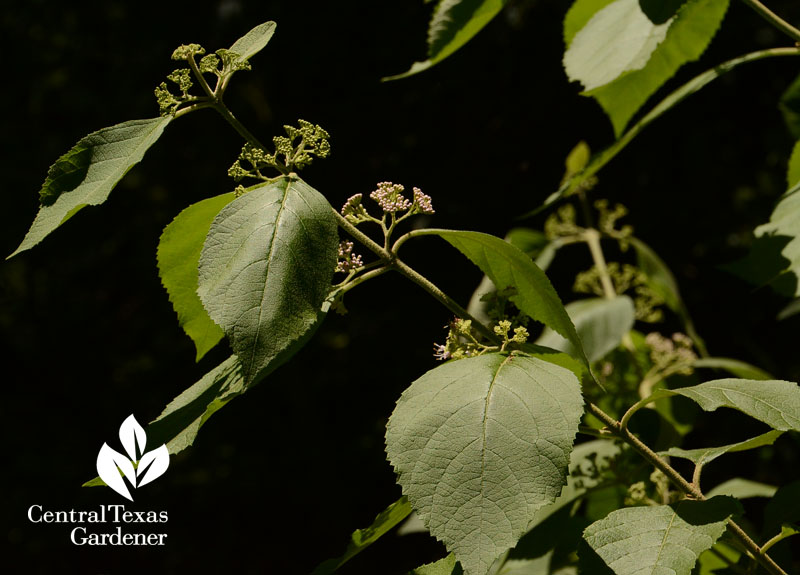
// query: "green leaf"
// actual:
[[694, 85], [535, 244], [710, 562], [266, 268], [453, 24], [86, 174], [774, 257], [742, 489], [706, 455], [445, 566], [509, 267], [688, 35], [775, 402], [735, 367], [538, 566], [790, 107], [480, 444], [254, 41], [662, 539], [601, 324], [178, 256], [181, 420], [617, 39], [363, 538], [793, 171]]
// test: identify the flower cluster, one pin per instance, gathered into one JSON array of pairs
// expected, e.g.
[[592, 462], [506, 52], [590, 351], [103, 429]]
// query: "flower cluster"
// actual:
[[671, 355], [503, 328], [390, 197], [354, 211], [347, 261], [624, 277], [252, 159]]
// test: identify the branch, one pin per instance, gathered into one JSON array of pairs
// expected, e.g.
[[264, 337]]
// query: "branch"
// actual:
[[689, 489], [774, 19]]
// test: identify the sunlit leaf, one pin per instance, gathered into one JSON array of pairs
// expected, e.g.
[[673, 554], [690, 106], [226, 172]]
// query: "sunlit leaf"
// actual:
[[453, 24], [661, 539], [178, 256], [480, 444], [509, 267], [86, 174], [266, 268], [601, 324]]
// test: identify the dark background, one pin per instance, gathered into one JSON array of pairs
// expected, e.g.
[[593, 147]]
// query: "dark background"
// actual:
[[278, 480]]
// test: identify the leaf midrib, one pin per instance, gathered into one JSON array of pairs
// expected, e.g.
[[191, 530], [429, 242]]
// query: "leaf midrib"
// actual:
[[254, 346]]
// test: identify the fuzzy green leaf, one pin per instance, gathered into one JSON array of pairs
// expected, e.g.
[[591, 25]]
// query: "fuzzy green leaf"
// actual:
[[775, 402], [266, 268], [453, 24], [86, 174], [254, 41], [444, 566], [363, 538], [480, 444], [688, 35], [509, 267], [662, 539], [742, 489], [178, 256], [793, 171], [617, 39], [735, 367], [601, 324], [706, 455]]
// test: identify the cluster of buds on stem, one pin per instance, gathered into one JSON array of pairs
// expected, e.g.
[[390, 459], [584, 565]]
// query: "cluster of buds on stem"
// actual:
[[347, 260], [624, 278], [222, 64], [392, 202], [289, 155], [670, 356]]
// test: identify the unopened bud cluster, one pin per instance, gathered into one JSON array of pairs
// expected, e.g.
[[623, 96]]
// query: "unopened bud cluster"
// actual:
[[391, 200], [222, 64], [347, 260], [673, 355], [625, 278], [287, 155]]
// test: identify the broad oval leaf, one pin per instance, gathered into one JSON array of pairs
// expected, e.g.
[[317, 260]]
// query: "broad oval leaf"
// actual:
[[509, 267], [688, 35], [453, 24], [480, 444], [742, 489], [178, 257], [735, 367], [601, 324], [775, 402], [266, 268], [663, 539], [618, 38], [254, 41], [705, 455], [86, 174]]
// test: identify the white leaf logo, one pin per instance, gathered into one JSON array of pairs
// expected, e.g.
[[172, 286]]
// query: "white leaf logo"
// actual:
[[139, 468]]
